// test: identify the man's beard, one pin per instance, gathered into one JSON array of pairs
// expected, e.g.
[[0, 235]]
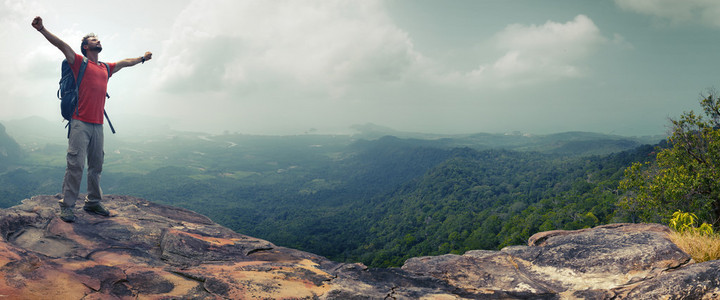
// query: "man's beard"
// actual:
[[97, 48]]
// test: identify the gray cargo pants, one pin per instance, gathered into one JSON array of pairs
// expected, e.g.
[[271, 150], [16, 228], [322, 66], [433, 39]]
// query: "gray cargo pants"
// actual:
[[85, 141]]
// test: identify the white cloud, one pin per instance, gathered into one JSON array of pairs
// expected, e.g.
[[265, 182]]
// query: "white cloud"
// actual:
[[21, 66], [677, 12], [537, 53], [13, 13], [324, 46], [298, 62]]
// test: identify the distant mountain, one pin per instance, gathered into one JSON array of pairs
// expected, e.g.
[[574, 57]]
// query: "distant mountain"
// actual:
[[565, 143], [36, 132], [9, 150]]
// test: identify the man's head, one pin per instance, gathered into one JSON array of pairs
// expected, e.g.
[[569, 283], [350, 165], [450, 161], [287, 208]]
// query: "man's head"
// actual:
[[90, 42]]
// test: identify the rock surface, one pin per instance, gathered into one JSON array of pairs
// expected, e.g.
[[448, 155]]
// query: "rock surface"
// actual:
[[151, 251]]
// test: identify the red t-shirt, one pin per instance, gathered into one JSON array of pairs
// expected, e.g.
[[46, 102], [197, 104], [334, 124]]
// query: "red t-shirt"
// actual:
[[91, 99]]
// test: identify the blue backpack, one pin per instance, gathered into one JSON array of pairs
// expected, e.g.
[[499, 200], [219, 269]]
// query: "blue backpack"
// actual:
[[68, 92]]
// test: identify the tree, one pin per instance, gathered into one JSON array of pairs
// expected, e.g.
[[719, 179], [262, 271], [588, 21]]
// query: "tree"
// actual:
[[685, 175]]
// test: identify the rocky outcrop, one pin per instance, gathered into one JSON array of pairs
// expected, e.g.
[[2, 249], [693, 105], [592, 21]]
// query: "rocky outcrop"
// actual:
[[151, 251], [614, 261]]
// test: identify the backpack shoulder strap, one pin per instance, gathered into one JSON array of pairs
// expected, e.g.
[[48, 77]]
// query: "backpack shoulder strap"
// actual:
[[107, 67], [108, 95], [82, 71]]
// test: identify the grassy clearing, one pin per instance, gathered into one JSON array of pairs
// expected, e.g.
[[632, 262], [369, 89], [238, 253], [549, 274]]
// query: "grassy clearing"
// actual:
[[701, 247]]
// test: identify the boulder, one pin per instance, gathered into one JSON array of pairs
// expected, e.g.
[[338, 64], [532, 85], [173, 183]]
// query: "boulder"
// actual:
[[598, 263]]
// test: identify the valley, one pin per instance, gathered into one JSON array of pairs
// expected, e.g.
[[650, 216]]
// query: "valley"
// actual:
[[367, 197]]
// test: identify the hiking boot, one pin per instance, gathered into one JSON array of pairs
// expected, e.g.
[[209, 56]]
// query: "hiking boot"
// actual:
[[67, 214], [96, 208]]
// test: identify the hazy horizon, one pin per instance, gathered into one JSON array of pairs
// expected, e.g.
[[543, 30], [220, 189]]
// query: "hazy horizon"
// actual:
[[288, 67], [131, 127]]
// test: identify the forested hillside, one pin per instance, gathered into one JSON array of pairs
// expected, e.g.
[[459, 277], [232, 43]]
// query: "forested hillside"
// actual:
[[9, 149], [491, 199], [378, 201]]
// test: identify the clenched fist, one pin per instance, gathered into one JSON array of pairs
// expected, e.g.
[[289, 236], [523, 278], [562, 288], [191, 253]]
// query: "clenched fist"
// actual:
[[37, 23]]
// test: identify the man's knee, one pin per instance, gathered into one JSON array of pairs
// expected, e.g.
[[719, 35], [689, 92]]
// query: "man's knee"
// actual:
[[75, 160]]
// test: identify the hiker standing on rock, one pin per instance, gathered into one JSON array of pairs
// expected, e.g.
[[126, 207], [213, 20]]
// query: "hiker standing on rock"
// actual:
[[85, 139]]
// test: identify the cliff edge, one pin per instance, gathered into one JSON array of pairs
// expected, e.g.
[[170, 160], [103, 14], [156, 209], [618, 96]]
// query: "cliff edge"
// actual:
[[152, 251]]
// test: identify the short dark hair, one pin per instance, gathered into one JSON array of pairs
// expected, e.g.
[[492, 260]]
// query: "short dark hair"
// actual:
[[85, 42]]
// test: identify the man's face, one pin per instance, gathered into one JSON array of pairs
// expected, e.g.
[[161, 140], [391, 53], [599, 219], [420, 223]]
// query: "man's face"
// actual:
[[93, 44]]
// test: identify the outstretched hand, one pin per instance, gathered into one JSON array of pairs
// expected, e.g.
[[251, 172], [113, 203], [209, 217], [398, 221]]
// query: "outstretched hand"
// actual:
[[37, 23], [147, 56]]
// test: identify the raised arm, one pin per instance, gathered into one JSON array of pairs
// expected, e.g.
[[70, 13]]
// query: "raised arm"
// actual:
[[129, 62], [37, 23]]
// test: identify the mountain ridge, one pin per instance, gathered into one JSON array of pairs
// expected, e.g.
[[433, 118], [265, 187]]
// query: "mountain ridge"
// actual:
[[36, 132]]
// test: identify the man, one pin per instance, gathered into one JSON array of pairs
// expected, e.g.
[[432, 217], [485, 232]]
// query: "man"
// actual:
[[86, 127]]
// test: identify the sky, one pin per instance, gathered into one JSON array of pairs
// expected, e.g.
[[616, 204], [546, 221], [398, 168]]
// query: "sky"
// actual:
[[449, 67]]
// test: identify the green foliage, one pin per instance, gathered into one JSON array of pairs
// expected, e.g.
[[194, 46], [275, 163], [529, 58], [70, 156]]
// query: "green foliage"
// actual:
[[684, 222], [684, 175], [491, 199], [22, 182]]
